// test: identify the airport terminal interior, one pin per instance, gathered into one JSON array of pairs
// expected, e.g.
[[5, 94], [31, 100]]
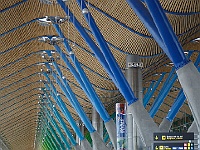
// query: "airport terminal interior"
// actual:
[[99, 74]]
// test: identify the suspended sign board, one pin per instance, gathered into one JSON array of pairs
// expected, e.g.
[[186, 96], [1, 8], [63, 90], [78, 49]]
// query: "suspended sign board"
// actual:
[[174, 146], [121, 126], [171, 136]]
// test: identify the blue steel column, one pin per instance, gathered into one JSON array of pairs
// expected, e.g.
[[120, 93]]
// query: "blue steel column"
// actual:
[[143, 121], [71, 97], [118, 75], [187, 73], [166, 123], [92, 94], [86, 86], [161, 97], [60, 120], [51, 120], [73, 100], [175, 52], [148, 97], [149, 89], [54, 123], [65, 111]]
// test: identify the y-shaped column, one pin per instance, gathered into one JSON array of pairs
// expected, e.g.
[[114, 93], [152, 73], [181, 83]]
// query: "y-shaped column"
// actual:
[[134, 77], [97, 123]]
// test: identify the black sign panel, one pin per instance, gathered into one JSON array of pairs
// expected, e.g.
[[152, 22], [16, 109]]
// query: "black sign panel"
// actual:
[[170, 136], [173, 146]]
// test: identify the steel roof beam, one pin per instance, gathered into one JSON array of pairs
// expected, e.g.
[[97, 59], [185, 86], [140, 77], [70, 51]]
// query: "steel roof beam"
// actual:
[[9, 100], [10, 120], [16, 109], [3, 145], [13, 83]]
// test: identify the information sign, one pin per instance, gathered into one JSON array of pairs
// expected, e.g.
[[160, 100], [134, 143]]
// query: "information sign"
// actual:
[[171, 136], [174, 146]]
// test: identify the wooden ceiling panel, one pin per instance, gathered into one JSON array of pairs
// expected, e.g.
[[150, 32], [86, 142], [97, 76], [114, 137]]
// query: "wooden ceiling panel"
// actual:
[[21, 62]]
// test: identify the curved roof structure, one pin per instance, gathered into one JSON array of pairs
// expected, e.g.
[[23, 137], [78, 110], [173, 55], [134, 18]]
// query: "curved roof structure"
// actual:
[[24, 52]]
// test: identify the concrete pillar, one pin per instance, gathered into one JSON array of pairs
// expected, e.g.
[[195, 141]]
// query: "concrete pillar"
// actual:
[[129, 131], [81, 126], [134, 78], [165, 125], [189, 78], [97, 123]]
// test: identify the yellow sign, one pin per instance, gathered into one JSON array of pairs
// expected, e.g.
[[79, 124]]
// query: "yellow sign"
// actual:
[[156, 138], [161, 147], [163, 138]]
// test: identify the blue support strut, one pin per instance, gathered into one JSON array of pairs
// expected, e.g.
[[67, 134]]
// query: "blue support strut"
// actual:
[[180, 98], [122, 83], [149, 89], [118, 76], [165, 90], [73, 100], [60, 120], [146, 18], [159, 100], [89, 91], [176, 106], [66, 112], [174, 50], [58, 140], [147, 98], [57, 128], [87, 38]]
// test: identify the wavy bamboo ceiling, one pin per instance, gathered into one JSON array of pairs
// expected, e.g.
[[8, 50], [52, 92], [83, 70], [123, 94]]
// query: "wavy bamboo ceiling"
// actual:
[[20, 57]]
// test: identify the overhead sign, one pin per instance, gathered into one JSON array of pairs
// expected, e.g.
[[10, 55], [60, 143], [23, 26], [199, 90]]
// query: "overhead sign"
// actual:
[[174, 146], [170, 136]]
